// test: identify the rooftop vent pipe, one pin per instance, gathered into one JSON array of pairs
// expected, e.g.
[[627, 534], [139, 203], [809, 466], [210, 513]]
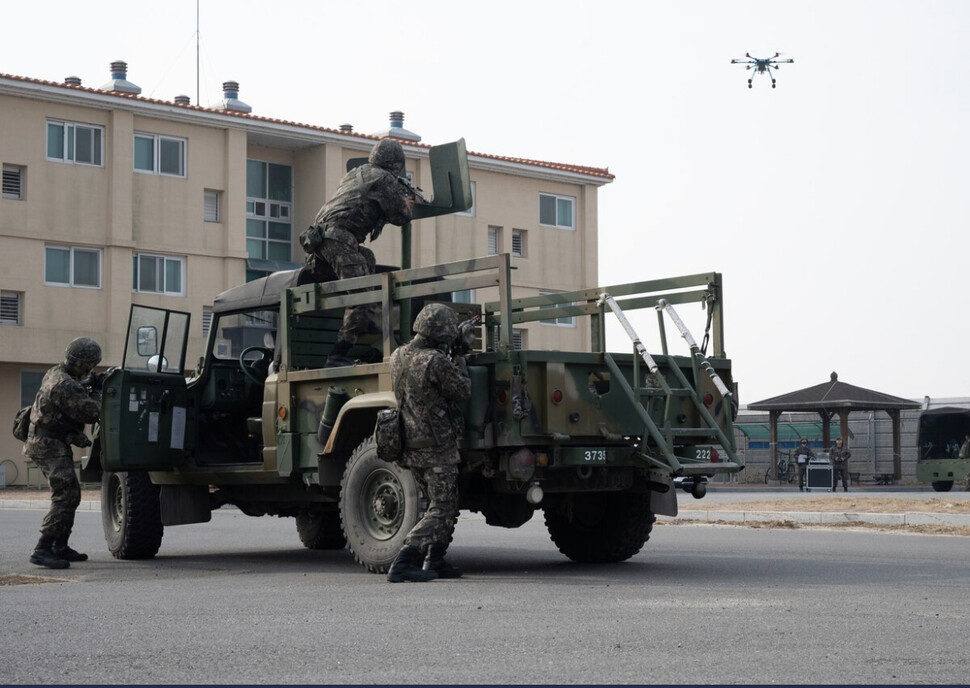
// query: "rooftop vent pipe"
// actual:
[[230, 98], [119, 79], [72, 80]]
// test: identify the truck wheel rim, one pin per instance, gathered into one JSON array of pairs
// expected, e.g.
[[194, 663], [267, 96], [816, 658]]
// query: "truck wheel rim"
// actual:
[[383, 504], [116, 503]]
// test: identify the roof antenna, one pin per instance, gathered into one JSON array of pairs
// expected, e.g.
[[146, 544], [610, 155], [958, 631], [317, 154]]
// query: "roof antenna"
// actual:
[[198, 101]]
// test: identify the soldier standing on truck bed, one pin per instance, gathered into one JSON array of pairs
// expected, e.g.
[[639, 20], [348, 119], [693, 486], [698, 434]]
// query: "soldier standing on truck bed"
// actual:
[[429, 383], [61, 409], [367, 198]]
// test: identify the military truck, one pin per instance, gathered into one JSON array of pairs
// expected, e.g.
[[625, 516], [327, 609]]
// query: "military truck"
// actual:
[[593, 439], [942, 434]]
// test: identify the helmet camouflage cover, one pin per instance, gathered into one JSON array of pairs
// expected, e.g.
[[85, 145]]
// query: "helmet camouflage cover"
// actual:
[[437, 322], [387, 154], [83, 352]]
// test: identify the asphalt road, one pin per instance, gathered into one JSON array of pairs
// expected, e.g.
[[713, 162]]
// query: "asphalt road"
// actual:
[[239, 600]]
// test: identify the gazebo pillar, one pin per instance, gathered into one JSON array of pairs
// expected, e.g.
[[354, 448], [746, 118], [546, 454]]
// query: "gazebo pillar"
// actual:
[[773, 417], [825, 416]]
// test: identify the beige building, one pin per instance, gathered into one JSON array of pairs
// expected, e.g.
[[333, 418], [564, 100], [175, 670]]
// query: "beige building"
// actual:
[[111, 199]]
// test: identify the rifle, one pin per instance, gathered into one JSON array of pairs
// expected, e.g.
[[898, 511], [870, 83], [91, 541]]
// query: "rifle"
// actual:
[[466, 335], [412, 191]]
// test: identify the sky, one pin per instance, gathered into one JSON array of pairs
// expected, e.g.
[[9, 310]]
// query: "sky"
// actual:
[[835, 205]]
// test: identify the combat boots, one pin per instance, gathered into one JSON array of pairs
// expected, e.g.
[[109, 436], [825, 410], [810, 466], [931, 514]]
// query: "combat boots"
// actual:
[[62, 550], [44, 554], [407, 567], [437, 563]]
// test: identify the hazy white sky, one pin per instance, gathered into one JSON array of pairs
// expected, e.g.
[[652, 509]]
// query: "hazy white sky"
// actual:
[[835, 205]]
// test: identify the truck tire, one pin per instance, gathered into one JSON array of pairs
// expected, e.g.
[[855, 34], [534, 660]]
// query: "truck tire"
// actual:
[[320, 529], [601, 527], [379, 504], [942, 485], [131, 515]]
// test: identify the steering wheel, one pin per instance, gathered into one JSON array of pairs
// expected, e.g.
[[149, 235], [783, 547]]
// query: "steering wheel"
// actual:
[[259, 365]]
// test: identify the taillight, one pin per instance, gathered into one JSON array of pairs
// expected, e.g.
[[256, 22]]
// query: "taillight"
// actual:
[[715, 457], [556, 396], [708, 399]]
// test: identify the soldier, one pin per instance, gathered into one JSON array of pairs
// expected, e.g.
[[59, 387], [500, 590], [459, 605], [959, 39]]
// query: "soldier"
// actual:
[[429, 383], [367, 198], [803, 454], [61, 409], [839, 457]]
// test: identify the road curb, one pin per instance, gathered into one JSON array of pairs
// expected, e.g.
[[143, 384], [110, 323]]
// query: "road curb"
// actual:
[[913, 518]]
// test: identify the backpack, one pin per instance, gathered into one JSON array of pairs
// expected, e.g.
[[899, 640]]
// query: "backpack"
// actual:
[[388, 435], [21, 424]]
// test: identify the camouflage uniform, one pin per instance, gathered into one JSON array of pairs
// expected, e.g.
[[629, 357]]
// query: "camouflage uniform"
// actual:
[[839, 456], [367, 198], [429, 385], [60, 411], [802, 467]]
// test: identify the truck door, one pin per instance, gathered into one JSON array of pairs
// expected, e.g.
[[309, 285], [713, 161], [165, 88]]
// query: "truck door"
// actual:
[[147, 419]]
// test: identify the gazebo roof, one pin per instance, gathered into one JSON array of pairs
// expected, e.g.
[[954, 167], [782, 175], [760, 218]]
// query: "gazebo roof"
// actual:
[[832, 396]]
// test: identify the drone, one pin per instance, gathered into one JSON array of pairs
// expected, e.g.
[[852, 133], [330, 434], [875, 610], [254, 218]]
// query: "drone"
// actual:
[[761, 66]]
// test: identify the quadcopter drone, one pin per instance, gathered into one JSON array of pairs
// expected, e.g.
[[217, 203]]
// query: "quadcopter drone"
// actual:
[[761, 66]]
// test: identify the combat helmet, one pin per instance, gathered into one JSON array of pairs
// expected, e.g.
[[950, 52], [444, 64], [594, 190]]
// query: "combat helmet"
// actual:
[[83, 352], [387, 154], [437, 322]]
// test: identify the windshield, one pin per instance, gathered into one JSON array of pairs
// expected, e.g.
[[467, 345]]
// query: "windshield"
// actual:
[[237, 331]]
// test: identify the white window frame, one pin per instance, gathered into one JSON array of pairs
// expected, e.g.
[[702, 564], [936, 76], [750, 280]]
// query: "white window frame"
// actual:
[[519, 237], [520, 338], [564, 321], [11, 172], [493, 244], [471, 211], [559, 224], [463, 296], [157, 141], [212, 205], [11, 308], [161, 274], [266, 210], [72, 252], [69, 142]]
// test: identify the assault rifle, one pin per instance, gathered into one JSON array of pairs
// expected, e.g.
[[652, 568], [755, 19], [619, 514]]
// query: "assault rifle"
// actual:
[[413, 191], [466, 335]]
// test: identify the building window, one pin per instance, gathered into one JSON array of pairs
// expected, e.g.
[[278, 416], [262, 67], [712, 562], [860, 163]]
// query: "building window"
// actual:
[[10, 307], [463, 296], [564, 321], [556, 211], [13, 182], [206, 321], [269, 205], [494, 240], [471, 210], [519, 338], [29, 385], [160, 155], [212, 202], [158, 274], [518, 243], [77, 143], [70, 266]]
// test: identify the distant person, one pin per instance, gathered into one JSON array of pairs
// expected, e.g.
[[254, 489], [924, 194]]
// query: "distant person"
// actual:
[[803, 454], [367, 198], [61, 409], [839, 456]]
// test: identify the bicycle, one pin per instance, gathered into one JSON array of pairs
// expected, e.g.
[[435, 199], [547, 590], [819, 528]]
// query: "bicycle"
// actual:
[[787, 471]]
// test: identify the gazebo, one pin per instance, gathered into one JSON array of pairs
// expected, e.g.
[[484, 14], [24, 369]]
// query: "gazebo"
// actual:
[[827, 400]]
